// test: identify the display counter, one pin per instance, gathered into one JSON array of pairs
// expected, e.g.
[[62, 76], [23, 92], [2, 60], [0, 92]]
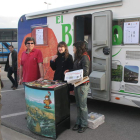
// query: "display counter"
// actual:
[[48, 107]]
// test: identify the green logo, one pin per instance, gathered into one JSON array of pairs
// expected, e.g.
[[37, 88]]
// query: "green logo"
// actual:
[[65, 33], [59, 19], [117, 35], [66, 28]]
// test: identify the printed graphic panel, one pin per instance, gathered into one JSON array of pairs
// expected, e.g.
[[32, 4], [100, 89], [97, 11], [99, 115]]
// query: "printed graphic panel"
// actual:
[[49, 46], [117, 74], [40, 111], [131, 74]]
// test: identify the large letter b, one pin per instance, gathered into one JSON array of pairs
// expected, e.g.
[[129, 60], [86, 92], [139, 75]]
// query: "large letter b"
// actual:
[[65, 33]]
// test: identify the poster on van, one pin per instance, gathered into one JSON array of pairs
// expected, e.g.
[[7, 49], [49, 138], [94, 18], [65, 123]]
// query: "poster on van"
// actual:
[[131, 74], [131, 32]]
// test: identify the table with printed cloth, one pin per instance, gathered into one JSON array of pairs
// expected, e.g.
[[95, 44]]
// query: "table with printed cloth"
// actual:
[[48, 107]]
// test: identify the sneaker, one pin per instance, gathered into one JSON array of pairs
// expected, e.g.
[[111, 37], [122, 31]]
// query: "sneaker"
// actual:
[[82, 129], [76, 127]]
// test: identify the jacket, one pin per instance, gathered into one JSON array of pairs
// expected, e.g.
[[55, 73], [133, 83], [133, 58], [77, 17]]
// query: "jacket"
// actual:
[[60, 65], [83, 63], [14, 61]]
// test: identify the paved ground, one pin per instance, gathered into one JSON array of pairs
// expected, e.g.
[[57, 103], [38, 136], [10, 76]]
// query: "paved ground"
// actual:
[[9, 134], [121, 122], [3, 73]]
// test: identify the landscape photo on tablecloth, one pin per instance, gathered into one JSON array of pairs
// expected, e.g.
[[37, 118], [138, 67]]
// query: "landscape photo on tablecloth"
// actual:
[[40, 111]]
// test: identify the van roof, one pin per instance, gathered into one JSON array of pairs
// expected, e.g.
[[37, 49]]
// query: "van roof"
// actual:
[[72, 8]]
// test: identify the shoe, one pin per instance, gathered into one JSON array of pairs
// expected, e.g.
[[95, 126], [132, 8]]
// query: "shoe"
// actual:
[[25, 117], [76, 127], [82, 129], [14, 88]]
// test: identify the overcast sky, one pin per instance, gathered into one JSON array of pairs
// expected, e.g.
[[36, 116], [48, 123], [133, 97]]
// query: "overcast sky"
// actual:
[[12, 10]]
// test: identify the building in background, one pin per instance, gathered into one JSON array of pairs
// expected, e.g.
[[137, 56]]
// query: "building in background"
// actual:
[[8, 36]]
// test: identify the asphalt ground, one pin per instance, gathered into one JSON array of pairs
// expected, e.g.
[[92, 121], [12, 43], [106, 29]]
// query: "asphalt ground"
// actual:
[[9, 134], [121, 122]]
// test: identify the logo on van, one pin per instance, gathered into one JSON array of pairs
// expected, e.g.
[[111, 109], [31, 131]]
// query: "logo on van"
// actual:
[[66, 30], [117, 35]]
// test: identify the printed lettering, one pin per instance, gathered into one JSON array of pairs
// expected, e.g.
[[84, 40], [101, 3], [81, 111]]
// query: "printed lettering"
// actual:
[[66, 28], [59, 19]]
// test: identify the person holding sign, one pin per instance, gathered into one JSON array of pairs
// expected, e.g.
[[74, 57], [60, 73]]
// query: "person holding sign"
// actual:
[[81, 61]]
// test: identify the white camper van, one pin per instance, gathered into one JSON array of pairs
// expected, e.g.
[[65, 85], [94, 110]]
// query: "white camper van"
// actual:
[[111, 30]]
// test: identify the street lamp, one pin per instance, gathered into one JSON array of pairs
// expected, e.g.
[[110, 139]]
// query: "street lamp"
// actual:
[[47, 4]]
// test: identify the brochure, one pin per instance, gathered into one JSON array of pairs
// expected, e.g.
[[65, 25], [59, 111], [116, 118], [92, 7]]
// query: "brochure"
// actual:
[[74, 76], [82, 81]]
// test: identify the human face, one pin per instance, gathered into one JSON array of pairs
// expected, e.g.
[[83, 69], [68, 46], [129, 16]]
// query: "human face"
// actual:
[[11, 49], [74, 49], [30, 45], [61, 49]]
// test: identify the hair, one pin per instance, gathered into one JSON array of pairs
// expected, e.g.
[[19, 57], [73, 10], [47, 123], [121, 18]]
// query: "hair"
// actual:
[[29, 39], [80, 49], [63, 44], [11, 46]]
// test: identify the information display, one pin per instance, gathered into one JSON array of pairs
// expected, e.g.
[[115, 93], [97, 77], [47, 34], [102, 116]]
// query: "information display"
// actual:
[[131, 33], [39, 36]]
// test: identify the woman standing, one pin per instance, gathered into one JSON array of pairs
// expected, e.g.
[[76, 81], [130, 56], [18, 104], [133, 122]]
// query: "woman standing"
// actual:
[[81, 61], [61, 61]]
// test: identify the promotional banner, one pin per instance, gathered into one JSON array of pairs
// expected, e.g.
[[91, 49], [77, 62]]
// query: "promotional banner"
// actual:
[[40, 111]]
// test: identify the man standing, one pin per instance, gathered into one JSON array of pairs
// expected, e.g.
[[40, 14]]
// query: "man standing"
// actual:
[[11, 67], [31, 67]]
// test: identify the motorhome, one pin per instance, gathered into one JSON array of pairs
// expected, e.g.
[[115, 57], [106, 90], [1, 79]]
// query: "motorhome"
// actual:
[[111, 30]]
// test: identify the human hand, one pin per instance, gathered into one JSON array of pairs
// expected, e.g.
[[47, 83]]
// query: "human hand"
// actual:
[[54, 57], [20, 81], [66, 71], [40, 79]]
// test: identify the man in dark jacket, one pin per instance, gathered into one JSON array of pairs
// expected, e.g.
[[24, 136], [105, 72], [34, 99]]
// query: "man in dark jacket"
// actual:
[[11, 67]]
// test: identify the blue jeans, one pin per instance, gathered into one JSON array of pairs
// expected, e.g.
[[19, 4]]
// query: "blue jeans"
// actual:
[[81, 93]]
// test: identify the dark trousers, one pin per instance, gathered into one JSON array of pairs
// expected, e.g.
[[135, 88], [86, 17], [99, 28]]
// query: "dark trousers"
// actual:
[[13, 80]]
